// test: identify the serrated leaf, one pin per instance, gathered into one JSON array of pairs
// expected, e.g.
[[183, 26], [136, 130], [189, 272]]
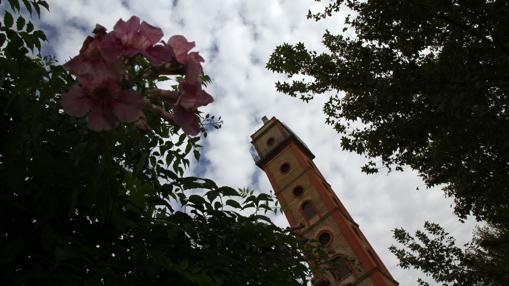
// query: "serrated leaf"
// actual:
[[20, 23], [8, 20]]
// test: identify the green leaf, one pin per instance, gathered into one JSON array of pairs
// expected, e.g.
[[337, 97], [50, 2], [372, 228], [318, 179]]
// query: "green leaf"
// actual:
[[196, 154], [28, 6], [233, 203], [40, 35], [212, 195], [37, 9], [262, 217], [44, 4], [264, 197], [8, 20], [188, 149], [198, 202], [14, 4], [249, 205], [30, 27], [181, 139], [20, 23], [228, 191], [2, 39]]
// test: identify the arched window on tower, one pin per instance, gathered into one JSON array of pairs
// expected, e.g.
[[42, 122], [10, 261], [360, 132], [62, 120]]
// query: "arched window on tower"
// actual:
[[309, 210], [341, 270]]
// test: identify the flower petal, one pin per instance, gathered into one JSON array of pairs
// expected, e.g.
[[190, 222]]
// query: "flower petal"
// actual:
[[101, 118], [111, 47], [125, 31], [74, 65], [143, 125], [195, 56], [193, 96], [127, 108], [193, 67], [99, 30], [168, 96], [149, 35], [180, 47], [76, 102], [158, 55], [187, 120], [204, 98]]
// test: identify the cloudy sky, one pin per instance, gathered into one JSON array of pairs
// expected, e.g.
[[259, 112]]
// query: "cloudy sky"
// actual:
[[236, 39]]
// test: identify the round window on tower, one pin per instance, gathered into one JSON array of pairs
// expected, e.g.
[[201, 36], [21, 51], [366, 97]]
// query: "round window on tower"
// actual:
[[325, 238], [285, 167], [308, 209], [298, 191], [270, 141]]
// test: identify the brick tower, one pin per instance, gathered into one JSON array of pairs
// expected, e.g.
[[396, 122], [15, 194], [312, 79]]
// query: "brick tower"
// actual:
[[313, 209]]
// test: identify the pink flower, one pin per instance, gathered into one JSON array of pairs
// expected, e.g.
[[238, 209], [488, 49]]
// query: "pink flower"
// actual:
[[194, 70], [90, 48], [184, 110], [105, 91], [90, 72], [180, 46], [89, 65], [131, 38], [191, 94], [105, 102], [99, 94], [168, 96], [188, 121]]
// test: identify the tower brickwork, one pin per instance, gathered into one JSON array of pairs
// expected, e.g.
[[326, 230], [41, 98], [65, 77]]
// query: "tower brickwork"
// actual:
[[313, 209]]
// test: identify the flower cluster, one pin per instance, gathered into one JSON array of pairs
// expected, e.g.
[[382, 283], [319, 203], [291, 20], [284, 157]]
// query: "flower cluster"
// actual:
[[105, 91]]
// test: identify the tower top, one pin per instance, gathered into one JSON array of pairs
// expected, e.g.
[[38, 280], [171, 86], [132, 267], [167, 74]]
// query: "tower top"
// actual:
[[271, 138]]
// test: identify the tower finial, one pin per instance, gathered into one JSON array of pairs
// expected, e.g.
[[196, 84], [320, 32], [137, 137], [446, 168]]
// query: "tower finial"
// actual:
[[265, 119]]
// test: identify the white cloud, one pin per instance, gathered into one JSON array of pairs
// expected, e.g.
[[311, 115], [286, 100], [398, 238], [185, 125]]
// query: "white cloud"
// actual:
[[236, 38]]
